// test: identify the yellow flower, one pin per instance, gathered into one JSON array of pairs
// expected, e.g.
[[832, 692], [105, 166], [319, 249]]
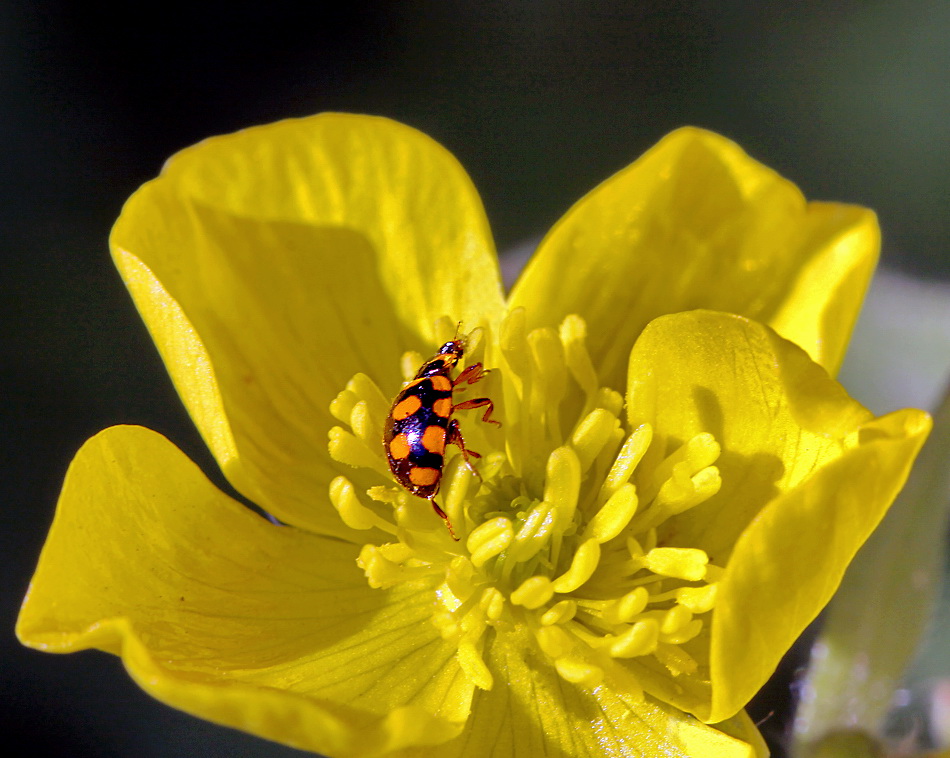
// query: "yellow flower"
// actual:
[[675, 493]]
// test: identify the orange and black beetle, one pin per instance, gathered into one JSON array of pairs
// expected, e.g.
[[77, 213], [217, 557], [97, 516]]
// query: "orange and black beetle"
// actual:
[[420, 423]]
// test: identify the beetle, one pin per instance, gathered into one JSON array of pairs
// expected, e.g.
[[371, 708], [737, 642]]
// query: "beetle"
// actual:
[[420, 423]]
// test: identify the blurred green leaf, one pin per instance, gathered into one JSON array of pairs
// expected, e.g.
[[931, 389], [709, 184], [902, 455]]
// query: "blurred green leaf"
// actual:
[[876, 621]]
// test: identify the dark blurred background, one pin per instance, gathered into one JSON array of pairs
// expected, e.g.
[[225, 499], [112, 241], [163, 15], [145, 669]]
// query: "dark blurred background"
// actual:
[[539, 100]]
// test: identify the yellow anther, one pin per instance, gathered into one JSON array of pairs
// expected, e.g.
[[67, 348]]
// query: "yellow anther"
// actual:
[[701, 451], [707, 481], [625, 609], [534, 534], [489, 539], [559, 612], [364, 424], [614, 515], [681, 492], [533, 592], [342, 405], [573, 334], [675, 619], [473, 622], [583, 565], [397, 552], [459, 577], [630, 455], [493, 603], [679, 562], [380, 572], [688, 459], [592, 435], [579, 672], [368, 391], [554, 641], [445, 623], [353, 513], [611, 401], [347, 448], [457, 480], [684, 634], [697, 599], [562, 485], [639, 639], [445, 329]]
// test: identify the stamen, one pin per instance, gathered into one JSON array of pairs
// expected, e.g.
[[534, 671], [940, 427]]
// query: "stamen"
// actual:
[[592, 435], [559, 613], [347, 448], [573, 335], [614, 516], [628, 607], [627, 460], [583, 565], [489, 539], [559, 535], [535, 532], [577, 671], [562, 486], [640, 639], [533, 592], [680, 562], [354, 514]]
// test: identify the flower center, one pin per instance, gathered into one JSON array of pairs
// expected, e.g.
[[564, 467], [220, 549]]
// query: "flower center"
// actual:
[[564, 529]]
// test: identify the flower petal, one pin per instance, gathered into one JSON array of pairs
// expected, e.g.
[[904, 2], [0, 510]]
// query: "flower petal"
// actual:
[[273, 264], [862, 655], [531, 711], [807, 473], [218, 612], [791, 559], [697, 223]]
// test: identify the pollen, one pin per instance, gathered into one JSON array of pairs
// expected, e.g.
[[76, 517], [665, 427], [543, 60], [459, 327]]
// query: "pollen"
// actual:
[[566, 543]]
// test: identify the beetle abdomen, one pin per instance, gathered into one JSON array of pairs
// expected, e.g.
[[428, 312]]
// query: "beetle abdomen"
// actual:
[[415, 434]]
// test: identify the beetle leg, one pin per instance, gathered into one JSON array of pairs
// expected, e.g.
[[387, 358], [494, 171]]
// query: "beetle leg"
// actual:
[[442, 515], [470, 375], [455, 438], [478, 403]]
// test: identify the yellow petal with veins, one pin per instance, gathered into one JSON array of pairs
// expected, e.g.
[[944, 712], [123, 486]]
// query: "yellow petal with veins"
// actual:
[[247, 256], [697, 223], [220, 613], [806, 474]]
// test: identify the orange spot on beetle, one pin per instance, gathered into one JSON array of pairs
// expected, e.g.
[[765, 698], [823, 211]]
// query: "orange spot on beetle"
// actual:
[[433, 439], [399, 447], [424, 477], [443, 407], [441, 383], [406, 408]]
